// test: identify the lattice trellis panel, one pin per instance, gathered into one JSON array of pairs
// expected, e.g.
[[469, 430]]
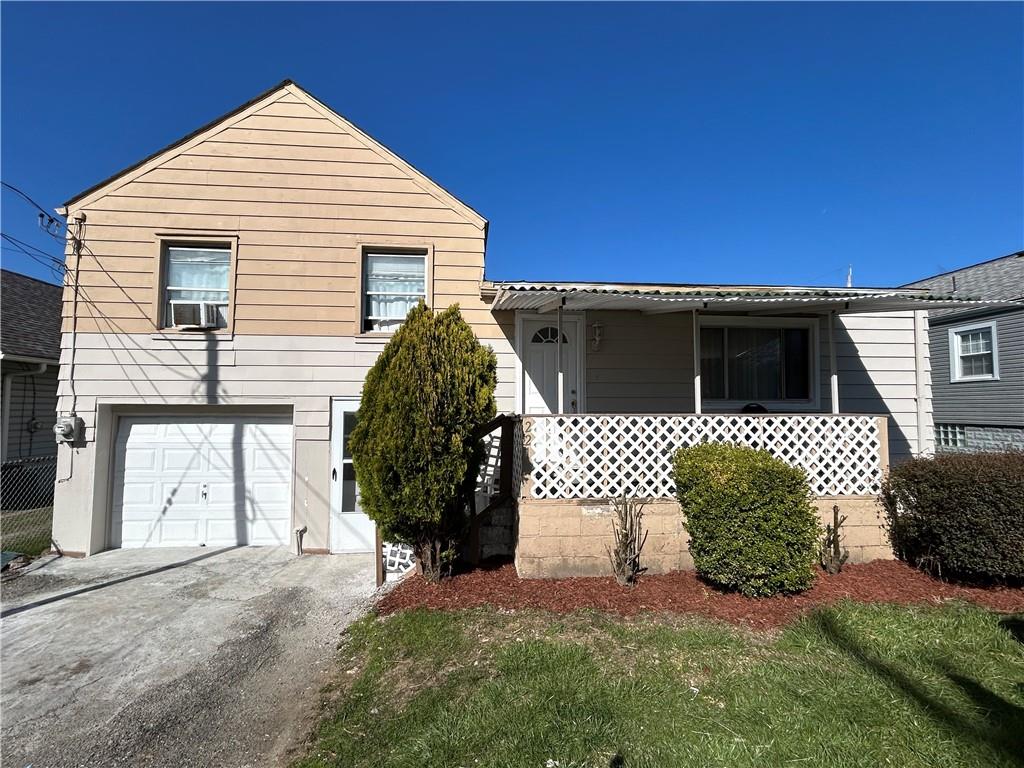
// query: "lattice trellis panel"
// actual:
[[586, 456], [398, 558]]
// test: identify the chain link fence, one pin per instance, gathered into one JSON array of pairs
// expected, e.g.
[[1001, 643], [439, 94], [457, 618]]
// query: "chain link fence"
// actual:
[[26, 504]]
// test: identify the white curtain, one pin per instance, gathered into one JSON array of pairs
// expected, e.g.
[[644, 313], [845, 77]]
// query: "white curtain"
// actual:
[[394, 285], [198, 274]]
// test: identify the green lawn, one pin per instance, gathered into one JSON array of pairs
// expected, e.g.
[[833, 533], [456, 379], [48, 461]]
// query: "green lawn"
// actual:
[[851, 685]]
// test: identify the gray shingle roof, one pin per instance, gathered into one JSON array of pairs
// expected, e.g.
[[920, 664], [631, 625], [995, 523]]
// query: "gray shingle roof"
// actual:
[[29, 316], [1001, 278]]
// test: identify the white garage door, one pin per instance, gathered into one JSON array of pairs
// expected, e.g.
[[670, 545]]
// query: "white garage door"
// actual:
[[194, 481]]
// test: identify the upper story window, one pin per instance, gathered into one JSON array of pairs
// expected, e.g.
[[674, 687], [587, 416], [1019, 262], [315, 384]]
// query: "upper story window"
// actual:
[[393, 283], [196, 286], [973, 355], [757, 361]]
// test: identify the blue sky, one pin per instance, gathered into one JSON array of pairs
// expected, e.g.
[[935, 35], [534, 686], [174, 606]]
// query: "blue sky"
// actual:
[[708, 143]]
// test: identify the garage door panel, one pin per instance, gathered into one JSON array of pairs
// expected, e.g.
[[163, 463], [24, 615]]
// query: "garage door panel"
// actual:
[[271, 494], [269, 532], [141, 459], [177, 533], [181, 495], [137, 534], [140, 493], [214, 482]]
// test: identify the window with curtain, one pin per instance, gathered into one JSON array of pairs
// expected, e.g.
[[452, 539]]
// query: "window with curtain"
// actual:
[[393, 283], [194, 275], [755, 363]]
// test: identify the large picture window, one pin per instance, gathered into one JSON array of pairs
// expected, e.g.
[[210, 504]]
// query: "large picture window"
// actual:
[[757, 362], [195, 285], [393, 283]]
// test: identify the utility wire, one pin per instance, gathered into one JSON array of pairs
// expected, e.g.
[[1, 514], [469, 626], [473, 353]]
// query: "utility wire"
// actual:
[[40, 208], [22, 244], [52, 263]]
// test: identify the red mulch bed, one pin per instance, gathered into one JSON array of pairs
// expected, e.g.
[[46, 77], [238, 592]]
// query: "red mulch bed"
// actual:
[[883, 581]]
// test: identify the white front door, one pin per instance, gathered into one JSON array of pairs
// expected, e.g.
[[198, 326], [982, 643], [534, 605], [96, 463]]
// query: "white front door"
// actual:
[[351, 529], [190, 481], [540, 365]]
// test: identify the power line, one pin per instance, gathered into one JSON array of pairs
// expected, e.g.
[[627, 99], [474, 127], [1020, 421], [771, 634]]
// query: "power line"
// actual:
[[21, 244], [52, 263], [17, 191]]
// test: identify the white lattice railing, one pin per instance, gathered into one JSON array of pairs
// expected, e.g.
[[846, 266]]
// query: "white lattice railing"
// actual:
[[591, 456]]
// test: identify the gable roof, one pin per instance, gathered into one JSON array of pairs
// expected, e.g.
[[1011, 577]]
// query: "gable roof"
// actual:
[[224, 121], [30, 312]]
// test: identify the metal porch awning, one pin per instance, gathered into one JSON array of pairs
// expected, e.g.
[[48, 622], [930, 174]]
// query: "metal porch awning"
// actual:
[[761, 300]]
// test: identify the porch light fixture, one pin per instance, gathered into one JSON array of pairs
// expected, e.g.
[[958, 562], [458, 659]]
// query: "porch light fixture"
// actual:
[[595, 343]]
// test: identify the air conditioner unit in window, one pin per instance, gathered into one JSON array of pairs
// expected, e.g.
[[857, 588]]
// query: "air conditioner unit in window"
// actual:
[[194, 315]]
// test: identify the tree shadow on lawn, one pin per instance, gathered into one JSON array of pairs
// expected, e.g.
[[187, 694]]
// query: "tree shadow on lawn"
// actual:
[[1002, 724]]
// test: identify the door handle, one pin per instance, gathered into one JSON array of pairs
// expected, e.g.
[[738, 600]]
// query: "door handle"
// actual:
[[204, 491], [334, 474]]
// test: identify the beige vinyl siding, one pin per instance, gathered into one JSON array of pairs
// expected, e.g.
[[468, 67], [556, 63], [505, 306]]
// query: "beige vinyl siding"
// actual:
[[306, 371], [875, 357], [302, 194], [645, 365]]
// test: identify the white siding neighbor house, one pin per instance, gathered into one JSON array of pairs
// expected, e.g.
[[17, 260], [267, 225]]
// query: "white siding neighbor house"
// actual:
[[228, 294]]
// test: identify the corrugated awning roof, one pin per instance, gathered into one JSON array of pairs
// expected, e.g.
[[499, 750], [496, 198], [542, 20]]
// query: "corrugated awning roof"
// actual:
[[765, 299]]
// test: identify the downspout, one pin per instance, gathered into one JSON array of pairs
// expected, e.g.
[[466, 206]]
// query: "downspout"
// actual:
[[919, 359], [7, 382], [558, 357], [833, 369], [697, 404]]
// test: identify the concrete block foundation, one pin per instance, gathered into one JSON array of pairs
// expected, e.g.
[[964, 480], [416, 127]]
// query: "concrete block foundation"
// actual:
[[564, 538]]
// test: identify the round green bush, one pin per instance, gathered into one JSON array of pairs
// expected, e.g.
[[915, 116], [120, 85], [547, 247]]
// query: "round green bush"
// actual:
[[959, 516], [751, 522]]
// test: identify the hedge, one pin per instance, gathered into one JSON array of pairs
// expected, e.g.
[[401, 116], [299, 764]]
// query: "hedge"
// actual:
[[959, 516]]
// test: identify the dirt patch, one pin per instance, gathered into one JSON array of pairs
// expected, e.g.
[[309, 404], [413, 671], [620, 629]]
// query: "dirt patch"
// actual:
[[883, 581]]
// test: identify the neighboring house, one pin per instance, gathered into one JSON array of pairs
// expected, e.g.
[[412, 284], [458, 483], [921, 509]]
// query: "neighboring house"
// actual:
[[29, 355], [978, 359], [235, 287]]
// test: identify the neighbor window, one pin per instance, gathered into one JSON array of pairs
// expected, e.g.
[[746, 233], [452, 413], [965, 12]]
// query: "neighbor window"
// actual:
[[972, 353], [951, 435], [195, 288], [756, 363], [393, 283]]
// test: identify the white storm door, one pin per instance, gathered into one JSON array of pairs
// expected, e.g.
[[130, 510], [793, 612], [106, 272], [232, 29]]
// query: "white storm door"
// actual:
[[351, 529], [540, 366]]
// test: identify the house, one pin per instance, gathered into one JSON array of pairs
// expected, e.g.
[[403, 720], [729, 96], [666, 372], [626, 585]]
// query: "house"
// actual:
[[978, 359], [29, 358], [230, 292]]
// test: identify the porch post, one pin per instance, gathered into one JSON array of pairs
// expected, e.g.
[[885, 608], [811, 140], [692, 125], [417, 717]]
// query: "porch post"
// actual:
[[558, 357], [833, 375], [696, 365]]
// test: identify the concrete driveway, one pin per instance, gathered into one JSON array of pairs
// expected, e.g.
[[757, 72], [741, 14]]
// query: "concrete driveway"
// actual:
[[171, 657]]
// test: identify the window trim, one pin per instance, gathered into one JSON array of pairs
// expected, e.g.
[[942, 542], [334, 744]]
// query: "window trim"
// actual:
[[733, 321], [955, 374], [378, 246], [165, 240]]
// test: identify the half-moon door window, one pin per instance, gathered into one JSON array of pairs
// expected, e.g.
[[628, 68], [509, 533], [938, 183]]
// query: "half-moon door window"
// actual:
[[547, 335]]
